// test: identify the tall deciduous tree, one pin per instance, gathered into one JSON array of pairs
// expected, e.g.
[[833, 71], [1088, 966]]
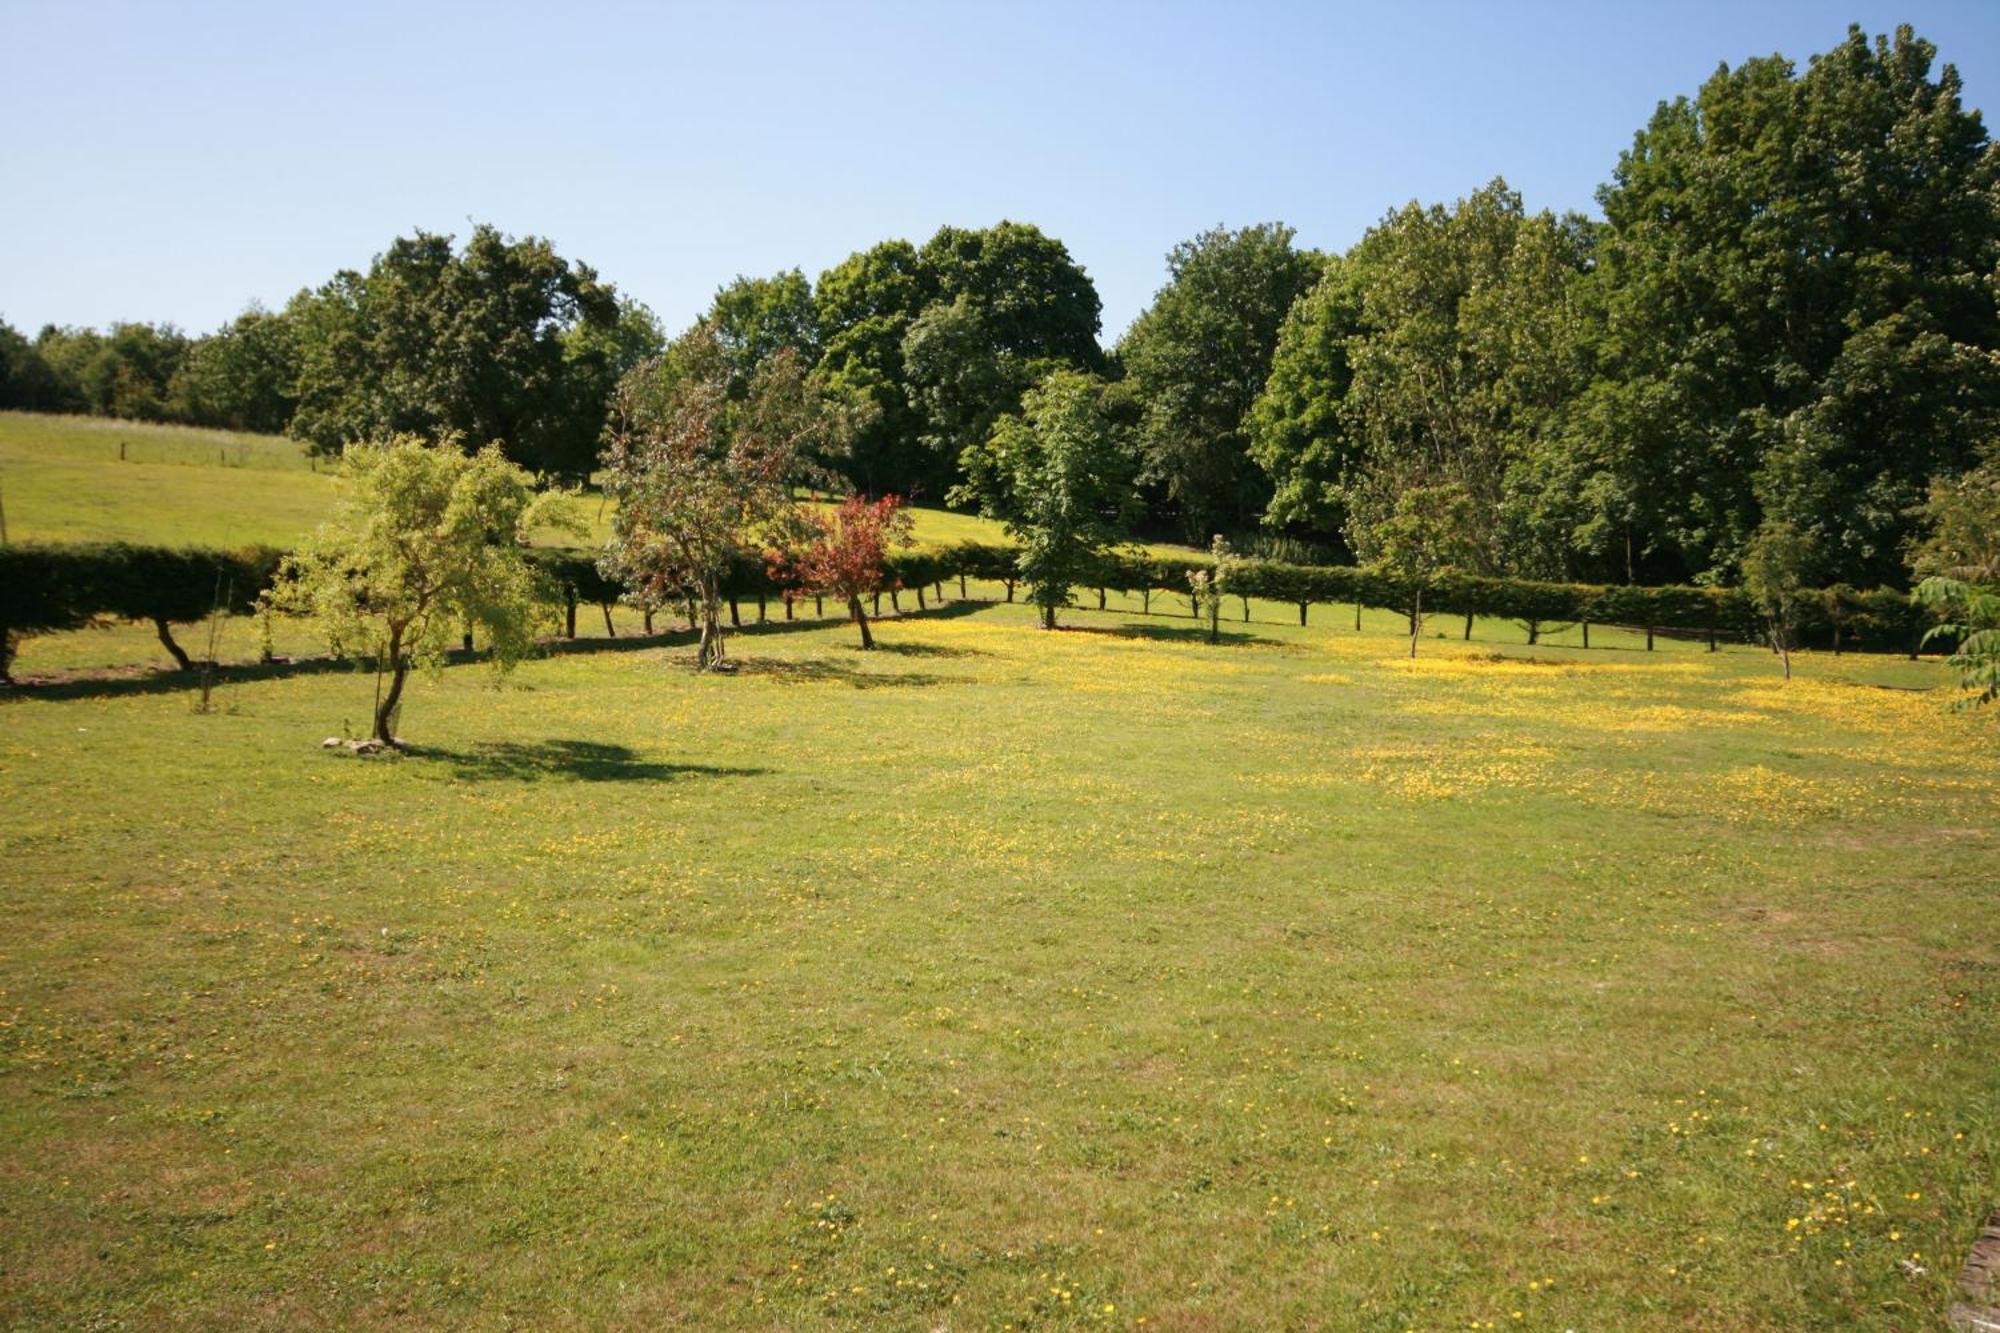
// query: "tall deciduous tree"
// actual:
[[1299, 433], [1199, 357], [1010, 306], [1060, 475], [1799, 309], [756, 318], [863, 308], [428, 541], [1439, 351], [702, 480], [477, 343], [240, 376]]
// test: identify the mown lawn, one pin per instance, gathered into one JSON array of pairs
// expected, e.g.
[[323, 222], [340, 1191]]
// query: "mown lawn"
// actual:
[[1004, 978]]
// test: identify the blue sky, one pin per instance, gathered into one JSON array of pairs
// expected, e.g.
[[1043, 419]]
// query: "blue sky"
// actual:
[[173, 161]]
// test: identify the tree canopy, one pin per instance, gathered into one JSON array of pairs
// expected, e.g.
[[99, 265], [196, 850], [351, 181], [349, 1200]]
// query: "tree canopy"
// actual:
[[477, 342], [1199, 356]]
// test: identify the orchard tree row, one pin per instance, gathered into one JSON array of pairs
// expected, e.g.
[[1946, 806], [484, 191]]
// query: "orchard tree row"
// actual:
[[1783, 330]]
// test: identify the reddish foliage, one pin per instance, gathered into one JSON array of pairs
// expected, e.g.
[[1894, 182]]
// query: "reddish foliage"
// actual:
[[844, 558]]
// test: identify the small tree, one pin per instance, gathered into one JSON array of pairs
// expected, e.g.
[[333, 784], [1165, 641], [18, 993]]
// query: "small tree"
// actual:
[[1960, 562], [1415, 537], [428, 541], [844, 555], [1060, 476], [1775, 570], [700, 478], [1205, 591]]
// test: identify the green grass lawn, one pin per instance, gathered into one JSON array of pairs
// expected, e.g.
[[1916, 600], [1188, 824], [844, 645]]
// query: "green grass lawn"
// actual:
[[1003, 978]]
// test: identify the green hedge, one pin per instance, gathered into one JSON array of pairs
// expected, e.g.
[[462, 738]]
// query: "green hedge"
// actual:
[[45, 588], [49, 588]]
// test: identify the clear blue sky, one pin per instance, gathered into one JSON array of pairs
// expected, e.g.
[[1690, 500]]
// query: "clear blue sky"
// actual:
[[173, 161]]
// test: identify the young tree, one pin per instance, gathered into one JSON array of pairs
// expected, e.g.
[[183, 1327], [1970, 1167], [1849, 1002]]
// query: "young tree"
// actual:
[[428, 541], [842, 558], [1960, 565], [1060, 476], [1776, 567], [1414, 533], [701, 480]]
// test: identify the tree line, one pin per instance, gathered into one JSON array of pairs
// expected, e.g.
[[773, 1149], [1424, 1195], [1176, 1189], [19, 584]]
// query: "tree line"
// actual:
[[1782, 331]]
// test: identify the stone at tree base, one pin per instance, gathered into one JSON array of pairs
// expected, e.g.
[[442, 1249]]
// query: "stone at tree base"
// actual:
[[1980, 1281]]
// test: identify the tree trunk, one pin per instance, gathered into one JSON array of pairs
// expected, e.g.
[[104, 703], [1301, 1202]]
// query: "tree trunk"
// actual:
[[920, 597], [788, 608], [1416, 620], [1468, 628], [861, 618], [1357, 617], [1711, 638], [167, 642], [1246, 610], [1146, 601], [877, 608], [1302, 615], [1100, 599], [1194, 606], [896, 600], [961, 587], [1836, 638], [761, 617], [647, 612], [385, 708], [1649, 638], [1534, 632], [466, 641], [569, 617], [1048, 615], [1586, 634], [610, 630], [819, 606], [735, 615], [1010, 590], [709, 651]]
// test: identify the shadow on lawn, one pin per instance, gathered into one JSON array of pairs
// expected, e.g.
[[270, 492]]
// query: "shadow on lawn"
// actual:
[[581, 761], [1172, 634], [122, 681], [820, 670]]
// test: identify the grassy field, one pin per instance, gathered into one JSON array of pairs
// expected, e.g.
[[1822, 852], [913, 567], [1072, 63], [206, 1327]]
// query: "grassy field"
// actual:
[[63, 478], [1103, 978], [1098, 979]]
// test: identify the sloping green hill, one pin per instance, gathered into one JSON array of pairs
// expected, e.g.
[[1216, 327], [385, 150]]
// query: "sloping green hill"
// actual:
[[68, 478]]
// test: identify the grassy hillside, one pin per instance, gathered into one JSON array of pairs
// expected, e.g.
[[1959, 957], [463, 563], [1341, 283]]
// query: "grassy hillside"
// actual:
[[62, 478], [1005, 978]]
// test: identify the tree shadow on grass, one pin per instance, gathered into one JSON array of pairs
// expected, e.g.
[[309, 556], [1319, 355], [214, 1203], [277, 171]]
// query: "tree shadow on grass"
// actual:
[[821, 671], [1173, 634], [580, 761], [119, 682], [926, 650]]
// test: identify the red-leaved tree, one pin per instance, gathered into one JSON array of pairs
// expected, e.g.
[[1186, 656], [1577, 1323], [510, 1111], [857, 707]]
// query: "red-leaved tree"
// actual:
[[843, 558]]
